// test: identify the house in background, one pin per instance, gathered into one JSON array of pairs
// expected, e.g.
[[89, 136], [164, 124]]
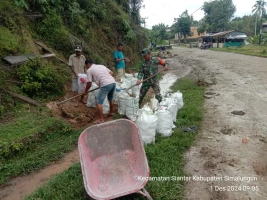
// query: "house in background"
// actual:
[[194, 36], [224, 39]]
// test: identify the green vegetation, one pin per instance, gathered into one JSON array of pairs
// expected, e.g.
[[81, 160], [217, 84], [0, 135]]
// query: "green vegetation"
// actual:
[[10, 46], [253, 50], [32, 140], [40, 79], [182, 24], [165, 156]]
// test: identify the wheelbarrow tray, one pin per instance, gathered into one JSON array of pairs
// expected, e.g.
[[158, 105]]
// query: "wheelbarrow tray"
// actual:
[[113, 160]]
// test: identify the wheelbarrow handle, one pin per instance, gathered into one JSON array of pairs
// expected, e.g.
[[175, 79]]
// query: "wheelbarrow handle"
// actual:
[[77, 96]]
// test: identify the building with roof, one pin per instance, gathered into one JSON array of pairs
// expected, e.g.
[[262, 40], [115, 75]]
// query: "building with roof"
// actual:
[[194, 34], [224, 39]]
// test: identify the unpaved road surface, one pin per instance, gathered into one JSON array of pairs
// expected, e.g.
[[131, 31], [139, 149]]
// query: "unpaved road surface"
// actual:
[[231, 149]]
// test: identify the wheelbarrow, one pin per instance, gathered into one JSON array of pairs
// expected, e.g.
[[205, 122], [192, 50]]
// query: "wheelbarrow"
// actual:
[[113, 160]]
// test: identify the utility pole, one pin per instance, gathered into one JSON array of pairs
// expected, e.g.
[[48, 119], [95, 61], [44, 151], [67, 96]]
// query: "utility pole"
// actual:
[[261, 27], [262, 11]]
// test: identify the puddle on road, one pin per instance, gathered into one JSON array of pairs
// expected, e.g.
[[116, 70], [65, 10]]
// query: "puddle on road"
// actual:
[[166, 82]]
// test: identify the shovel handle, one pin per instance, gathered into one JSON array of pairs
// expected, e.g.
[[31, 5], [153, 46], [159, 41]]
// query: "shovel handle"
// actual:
[[76, 96], [145, 80]]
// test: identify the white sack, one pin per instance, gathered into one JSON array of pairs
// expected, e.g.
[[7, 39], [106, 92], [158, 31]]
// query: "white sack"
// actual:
[[128, 76], [82, 80], [91, 101], [126, 83], [132, 107], [105, 106], [117, 92], [165, 121], [154, 103], [147, 124], [135, 89], [122, 99], [179, 97], [172, 105]]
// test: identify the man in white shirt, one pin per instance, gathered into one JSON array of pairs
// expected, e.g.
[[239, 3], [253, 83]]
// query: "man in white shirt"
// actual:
[[76, 61], [102, 76]]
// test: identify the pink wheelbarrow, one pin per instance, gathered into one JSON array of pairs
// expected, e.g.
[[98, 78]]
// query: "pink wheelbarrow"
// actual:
[[113, 160]]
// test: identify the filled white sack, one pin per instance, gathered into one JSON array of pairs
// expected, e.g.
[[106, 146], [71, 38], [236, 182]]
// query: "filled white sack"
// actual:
[[132, 107], [122, 100], [172, 105], [147, 124], [82, 80], [179, 97], [165, 121], [91, 101]]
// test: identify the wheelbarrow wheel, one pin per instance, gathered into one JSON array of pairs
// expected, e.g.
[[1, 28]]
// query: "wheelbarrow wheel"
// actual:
[[145, 193]]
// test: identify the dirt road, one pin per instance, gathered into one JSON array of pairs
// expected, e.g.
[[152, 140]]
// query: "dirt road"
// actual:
[[231, 149]]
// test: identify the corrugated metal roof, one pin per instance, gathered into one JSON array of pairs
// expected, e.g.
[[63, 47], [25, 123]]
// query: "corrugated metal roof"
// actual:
[[220, 34]]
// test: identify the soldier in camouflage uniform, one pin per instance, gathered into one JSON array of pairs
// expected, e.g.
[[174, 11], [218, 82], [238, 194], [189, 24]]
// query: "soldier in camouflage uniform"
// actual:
[[148, 68]]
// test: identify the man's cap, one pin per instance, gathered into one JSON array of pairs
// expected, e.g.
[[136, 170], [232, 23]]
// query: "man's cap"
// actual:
[[120, 44], [78, 48], [145, 51]]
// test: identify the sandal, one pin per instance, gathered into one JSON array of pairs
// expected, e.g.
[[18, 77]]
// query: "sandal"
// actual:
[[111, 114]]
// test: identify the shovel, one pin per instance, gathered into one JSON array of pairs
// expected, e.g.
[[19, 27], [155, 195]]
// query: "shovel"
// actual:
[[76, 96], [144, 80]]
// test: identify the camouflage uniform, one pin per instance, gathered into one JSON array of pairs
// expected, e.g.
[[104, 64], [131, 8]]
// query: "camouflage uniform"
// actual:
[[147, 69]]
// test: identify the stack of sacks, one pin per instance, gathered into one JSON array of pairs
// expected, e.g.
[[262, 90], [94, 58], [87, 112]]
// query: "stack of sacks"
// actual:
[[147, 124], [162, 121]]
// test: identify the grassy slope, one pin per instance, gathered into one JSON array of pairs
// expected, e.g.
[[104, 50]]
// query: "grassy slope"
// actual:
[[30, 150], [51, 149], [253, 50], [165, 156]]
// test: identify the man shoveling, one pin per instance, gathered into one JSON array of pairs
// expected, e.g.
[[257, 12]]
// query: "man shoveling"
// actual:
[[147, 69], [102, 76]]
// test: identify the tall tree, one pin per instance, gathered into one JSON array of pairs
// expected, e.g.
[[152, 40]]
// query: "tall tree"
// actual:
[[135, 6], [125, 5], [182, 24], [245, 24], [158, 33], [258, 9], [217, 14]]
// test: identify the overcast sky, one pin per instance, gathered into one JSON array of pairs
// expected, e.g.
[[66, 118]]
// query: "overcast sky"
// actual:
[[164, 11]]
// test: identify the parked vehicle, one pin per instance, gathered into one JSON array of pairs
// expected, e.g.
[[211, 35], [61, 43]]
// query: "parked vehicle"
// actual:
[[206, 45]]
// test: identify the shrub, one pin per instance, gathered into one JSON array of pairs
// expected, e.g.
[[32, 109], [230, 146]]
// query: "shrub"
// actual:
[[9, 43], [51, 29], [40, 79]]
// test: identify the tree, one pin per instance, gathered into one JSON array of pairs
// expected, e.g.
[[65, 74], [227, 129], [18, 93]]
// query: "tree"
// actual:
[[217, 14], [135, 6], [258, 9], [202, 26], [245, 24], [125, 5], [158, 33], [182, 24]]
